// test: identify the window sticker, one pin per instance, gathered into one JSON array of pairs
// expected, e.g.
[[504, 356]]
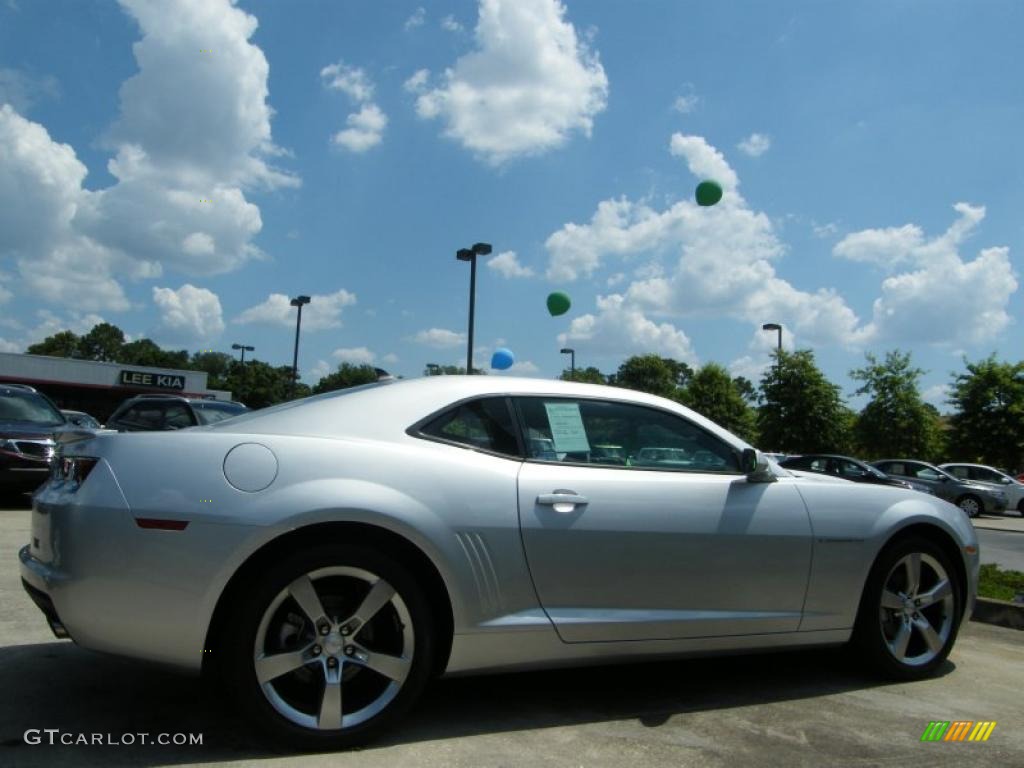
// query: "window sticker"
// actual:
[[567, 428]]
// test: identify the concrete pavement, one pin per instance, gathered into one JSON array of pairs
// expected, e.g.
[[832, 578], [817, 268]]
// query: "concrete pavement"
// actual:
[[789, 709]]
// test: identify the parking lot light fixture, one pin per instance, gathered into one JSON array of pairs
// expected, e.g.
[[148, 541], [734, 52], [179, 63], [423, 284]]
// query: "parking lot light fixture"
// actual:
[[572, 361], [470, 254], [300, 302], [244, 348], [774, 327]]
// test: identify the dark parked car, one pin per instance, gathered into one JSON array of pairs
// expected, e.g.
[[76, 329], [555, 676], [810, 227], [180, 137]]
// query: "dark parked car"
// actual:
[[30, 428], [148, 413], [848, 469], [972, 497]]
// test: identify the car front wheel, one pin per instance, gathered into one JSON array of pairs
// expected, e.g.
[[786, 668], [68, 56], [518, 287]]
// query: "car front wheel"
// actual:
[[910, 611], [970, 505], [329, 647]]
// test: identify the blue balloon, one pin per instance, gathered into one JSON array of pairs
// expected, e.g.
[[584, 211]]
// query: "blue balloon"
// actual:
[[502, 359]]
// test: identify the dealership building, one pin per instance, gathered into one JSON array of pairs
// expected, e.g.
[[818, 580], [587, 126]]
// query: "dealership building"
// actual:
[[98, 388]]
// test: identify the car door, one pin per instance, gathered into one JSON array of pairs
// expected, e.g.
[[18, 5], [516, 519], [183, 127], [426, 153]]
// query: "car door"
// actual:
[[691, 548]]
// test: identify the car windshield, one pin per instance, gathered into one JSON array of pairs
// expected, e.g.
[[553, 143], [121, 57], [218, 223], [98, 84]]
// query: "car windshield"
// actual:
[[29, 407], [211, 413]]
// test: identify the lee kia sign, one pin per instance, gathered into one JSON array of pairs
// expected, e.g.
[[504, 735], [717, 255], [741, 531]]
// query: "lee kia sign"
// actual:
[[156, 380]]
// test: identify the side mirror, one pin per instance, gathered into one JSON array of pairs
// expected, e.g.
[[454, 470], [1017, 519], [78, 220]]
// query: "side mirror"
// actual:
[[755, 466], [748, 461]]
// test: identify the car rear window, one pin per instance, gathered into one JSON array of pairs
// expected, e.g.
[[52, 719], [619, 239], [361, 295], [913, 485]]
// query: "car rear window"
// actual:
[[16, 405], [484, 424], [211, 413]]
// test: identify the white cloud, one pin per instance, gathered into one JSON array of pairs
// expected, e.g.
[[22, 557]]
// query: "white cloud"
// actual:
[[416, 19], [318, 371], [755, 145], [440, 338], [417, 82], [22, 90], [189, 313], [711, 262], [528, 85], [687, 101], [621, 330], [518, 368], [942, 299], [508, 266], [323, 311], [937, 395], [390, 357], [355, 355], [366, 129], [352, 81], [178, 189], [449, 24], [9, 346]]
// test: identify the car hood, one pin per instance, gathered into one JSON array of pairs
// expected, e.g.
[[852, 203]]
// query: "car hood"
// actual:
[[27, 430], [817, 477]]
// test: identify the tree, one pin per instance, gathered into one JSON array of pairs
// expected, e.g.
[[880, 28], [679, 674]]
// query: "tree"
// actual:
[[61, 344], [714, 394], [589, 375], [146, 352], [216, 364], [102, 343], [988, 422], [258, 384], [746, 389], [801, 411], [347, 375], [653, 374], [895, 422]]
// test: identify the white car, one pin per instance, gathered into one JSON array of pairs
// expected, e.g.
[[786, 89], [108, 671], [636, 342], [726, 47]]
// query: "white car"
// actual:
[[981, 473]]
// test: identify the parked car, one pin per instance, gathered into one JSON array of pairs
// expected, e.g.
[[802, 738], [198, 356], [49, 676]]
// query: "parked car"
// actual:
[[145, 413], [972, 497], [848, 469], [996, 478], [30, 428], [81, 419], [326, 557]]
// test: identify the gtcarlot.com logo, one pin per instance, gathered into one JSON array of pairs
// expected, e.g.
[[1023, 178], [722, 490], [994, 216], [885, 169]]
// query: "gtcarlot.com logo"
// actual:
[[55, 736], [958, 730]]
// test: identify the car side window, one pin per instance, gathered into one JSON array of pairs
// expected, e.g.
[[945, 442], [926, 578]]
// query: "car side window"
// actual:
[[985, 475], [177, 416], [485, 424], [142, 416], [819, 465], [849, 469], [924, 473], [893, 468], [960, 473], [613, 434]]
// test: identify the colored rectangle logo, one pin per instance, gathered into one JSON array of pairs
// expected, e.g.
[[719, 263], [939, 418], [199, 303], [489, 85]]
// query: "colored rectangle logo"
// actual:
[[958, 730]]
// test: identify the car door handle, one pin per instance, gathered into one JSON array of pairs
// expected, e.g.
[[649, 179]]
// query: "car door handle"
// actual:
[[562, 501]]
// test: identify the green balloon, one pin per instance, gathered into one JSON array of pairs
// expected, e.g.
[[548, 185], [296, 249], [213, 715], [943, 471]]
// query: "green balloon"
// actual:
[[708, 193], [558, 303]]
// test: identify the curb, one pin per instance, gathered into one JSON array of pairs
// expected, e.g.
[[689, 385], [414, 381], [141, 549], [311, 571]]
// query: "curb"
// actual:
[[1002, 613]]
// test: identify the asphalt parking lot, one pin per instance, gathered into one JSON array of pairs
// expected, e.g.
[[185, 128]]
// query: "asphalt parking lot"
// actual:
[[792, 709]]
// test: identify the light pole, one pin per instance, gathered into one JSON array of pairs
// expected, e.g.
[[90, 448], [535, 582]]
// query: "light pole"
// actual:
[[470, 254], [244, 349], [774, 327], [572, 361], [298, 301]]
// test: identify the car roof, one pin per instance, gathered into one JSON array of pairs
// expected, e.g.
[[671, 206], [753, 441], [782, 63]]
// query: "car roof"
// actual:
[[968, 464], [382, 409]]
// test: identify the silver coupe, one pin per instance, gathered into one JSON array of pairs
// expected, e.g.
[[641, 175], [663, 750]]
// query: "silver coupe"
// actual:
[[327, 557]]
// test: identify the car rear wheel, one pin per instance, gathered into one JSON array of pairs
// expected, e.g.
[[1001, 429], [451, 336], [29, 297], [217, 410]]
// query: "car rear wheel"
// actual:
[[330, 647], [970, 505], [910, 611]]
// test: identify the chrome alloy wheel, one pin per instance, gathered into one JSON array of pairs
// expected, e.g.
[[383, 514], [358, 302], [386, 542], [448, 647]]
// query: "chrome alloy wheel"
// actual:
[[970, 505], [333, 648], [917, 609]]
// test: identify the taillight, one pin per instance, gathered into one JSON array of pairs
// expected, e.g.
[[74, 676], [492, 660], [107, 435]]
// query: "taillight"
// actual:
[[72, 469]]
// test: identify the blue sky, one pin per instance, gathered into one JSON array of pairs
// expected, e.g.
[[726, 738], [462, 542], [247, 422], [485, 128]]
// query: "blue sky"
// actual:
[[180, 169]]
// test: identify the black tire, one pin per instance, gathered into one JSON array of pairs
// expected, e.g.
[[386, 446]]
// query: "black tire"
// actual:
[[340, 592], [1020, 507], [878, 627], [971, 505]]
